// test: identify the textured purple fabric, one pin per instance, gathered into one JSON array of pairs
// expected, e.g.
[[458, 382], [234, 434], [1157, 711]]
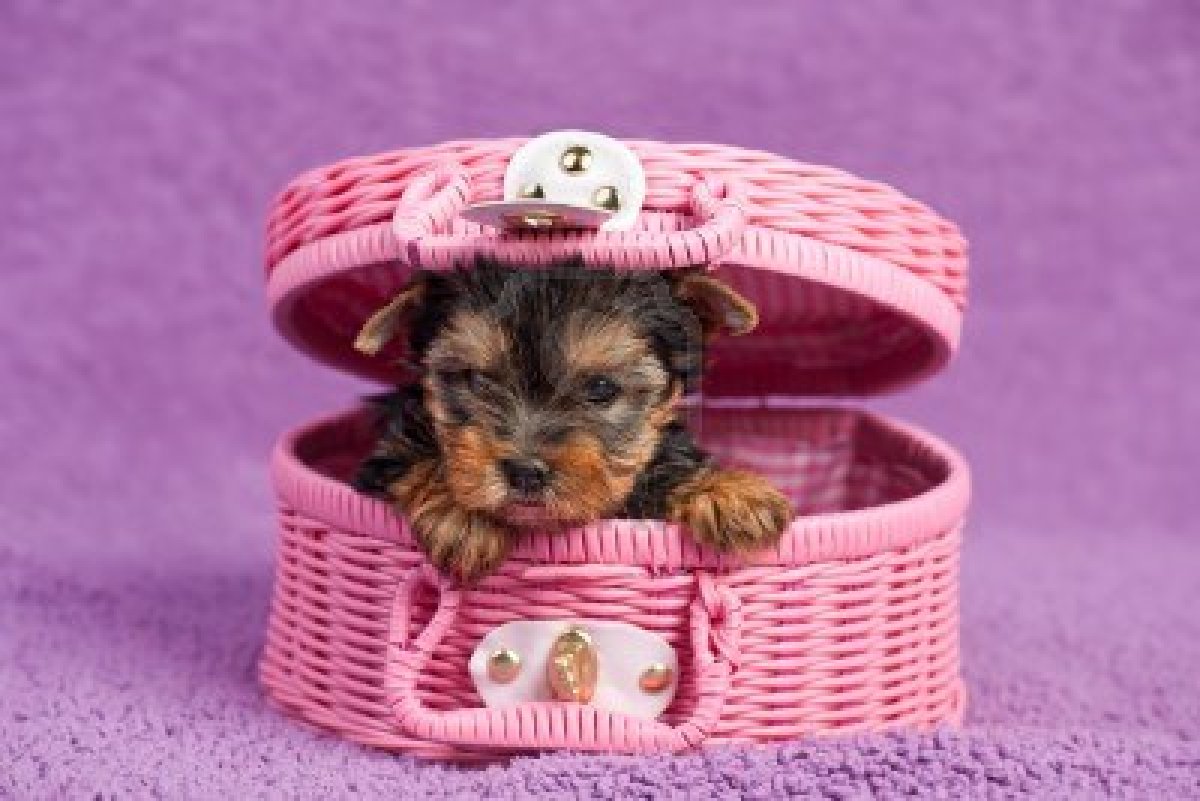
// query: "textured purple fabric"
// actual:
[[140, 143]]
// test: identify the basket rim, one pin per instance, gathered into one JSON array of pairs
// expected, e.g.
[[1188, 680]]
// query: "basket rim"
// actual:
[[652, 544]]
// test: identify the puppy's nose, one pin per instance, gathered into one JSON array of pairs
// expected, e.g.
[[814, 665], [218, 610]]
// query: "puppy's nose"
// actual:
[[527, 476]]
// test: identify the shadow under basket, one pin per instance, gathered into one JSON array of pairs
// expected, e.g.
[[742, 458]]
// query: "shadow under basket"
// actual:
[[851, 624]]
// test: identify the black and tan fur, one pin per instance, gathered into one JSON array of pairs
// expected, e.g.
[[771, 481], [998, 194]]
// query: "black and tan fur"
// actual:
[[548, 397]]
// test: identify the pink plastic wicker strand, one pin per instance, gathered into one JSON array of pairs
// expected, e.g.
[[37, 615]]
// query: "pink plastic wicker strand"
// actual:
[[425, 217]]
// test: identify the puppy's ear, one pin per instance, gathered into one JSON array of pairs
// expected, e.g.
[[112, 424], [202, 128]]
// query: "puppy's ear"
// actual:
[[719, 309], [387, 323]]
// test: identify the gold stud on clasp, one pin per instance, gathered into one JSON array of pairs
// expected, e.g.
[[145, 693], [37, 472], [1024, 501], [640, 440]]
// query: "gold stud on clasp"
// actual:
[[656, 678], [575, 160], [573, 667], [503, 666], [533, 219], [533, 191], [605, 197]]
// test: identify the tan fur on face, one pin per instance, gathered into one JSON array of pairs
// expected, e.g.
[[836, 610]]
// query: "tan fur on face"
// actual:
[[470, 340], [612, 346], [471, 457], [593, 345], [585, 486], [590, 483], [468, 543], [664, 412]]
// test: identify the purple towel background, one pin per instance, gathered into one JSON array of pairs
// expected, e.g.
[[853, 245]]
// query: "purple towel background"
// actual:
[[141, 387]]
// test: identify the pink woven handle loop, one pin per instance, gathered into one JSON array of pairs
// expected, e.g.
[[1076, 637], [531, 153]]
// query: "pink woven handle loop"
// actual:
[[553, 724], [424, 219]]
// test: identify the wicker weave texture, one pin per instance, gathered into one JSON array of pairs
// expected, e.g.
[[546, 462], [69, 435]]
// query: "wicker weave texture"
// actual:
[[820, 203], [850, 625]]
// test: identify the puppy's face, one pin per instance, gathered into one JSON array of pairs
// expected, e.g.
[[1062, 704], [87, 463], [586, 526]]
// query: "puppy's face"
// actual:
[[546, 423], [548, 388]]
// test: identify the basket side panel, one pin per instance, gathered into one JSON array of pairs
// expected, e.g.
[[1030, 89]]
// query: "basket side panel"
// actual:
[[840, 647], [828, 648]]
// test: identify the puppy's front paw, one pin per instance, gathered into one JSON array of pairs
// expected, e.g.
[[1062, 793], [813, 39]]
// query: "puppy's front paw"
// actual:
[[731, 510], [462, 542]]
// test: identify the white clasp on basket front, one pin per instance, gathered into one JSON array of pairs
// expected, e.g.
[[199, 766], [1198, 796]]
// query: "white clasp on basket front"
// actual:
[[613, 666], [567, 179]]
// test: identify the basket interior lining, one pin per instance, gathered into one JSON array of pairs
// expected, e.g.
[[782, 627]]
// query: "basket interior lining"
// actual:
[[824, 460]]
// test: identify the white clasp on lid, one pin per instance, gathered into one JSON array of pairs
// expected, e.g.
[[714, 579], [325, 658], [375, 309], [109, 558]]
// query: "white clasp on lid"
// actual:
[[567, 179]]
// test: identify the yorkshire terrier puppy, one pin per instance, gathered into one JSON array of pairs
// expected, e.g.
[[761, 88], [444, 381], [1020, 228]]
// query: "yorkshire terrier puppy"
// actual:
[[549, 397]]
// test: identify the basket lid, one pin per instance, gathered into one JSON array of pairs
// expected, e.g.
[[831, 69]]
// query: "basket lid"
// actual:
[[859, 289]]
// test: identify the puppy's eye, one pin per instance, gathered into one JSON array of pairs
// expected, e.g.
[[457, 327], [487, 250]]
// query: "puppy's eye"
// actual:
[[601, 390], [471, 380]]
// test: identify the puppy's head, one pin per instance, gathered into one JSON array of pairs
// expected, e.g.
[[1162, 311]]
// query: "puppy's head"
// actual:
[[548, 387]]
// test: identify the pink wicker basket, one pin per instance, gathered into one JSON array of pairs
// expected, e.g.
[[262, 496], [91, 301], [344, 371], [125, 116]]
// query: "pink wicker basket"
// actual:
[[850, 624]]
